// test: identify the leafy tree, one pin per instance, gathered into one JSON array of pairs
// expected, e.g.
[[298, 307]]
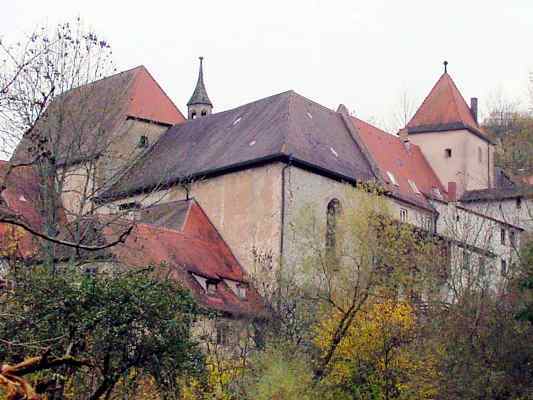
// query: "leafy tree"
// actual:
[[375, 257], [119, 329], [380, 357]]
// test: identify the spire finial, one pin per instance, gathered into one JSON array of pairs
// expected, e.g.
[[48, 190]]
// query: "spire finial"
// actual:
[[445, 66]]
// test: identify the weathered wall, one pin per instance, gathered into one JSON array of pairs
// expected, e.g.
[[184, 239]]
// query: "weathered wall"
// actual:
[[510, 211], [84, 178], [463, 166], [306, 189], [244, 207]]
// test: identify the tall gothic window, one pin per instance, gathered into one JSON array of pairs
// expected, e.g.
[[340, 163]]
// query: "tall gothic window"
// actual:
[[333, 211]]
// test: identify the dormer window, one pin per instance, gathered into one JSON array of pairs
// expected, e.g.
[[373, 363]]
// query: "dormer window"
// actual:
[[414, 188], [211, 287], [241, 290], [448, 153], [392, 178]]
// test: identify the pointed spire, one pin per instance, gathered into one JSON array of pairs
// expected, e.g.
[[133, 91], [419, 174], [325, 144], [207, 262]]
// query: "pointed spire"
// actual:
[[199, 95], [445, 67]]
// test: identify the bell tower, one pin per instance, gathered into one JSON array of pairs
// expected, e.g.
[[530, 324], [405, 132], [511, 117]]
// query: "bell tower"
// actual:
[[199, 105]]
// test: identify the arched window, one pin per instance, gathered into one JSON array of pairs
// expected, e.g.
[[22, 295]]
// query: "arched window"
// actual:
[[333, 211]]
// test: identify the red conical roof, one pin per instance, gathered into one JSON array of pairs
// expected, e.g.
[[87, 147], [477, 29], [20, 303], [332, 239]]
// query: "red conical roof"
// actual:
[[444, 109]]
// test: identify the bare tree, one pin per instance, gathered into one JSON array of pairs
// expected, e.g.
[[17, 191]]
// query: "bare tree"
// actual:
[[64, 117]]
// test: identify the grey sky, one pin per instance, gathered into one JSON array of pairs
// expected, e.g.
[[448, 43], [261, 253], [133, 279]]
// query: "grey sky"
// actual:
[[360, 53]]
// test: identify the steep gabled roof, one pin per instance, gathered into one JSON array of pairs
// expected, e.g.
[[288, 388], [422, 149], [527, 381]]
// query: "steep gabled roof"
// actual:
[[444, 109], [85, 118], [193, 248], [284, 127], [149, 101], [405, 162]]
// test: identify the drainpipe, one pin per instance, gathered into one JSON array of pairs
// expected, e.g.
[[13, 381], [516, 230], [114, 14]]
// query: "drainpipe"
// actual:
[[283, 208]]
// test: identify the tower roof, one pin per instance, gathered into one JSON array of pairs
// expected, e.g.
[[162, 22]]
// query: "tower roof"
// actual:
[[444, 109], [199, 95]]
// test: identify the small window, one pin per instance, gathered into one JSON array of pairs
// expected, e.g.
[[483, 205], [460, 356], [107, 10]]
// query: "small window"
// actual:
[[90, 271], [502, 235], [129, 206], [448, 153], [403, 214], [518, 203], [504, 267], [392, 178], [204, 113], [466, 259], [143, 142], [223, 334], [480, 154], [512, 238], [241, 290], [332, 215], [193, 115], [211, 287], [481, 265]]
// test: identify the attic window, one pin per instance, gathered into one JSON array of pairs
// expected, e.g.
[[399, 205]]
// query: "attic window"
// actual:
[[448, 153], [392, 178], [414, 188], [241, 290], [237, 121], [143, 142], [334, 152], [211, 287]]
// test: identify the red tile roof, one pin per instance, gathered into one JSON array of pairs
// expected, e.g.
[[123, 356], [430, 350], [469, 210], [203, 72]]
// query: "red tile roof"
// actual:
[[97, 110], [405, 163], [443, 109], [19, 199], [149, 101], [195, 249]]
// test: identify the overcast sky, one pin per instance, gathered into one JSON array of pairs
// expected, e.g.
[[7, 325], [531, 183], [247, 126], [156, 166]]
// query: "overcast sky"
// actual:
[[363, 53]]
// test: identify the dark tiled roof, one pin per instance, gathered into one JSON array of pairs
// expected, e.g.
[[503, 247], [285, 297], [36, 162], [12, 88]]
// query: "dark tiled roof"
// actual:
[[502, 193], [444, 109], [281, 127], [81, 122]]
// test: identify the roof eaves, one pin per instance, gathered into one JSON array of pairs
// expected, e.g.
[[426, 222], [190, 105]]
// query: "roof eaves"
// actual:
[[455, 126]]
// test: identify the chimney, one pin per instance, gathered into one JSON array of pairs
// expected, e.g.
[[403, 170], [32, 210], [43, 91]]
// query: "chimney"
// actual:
[[452, 191], [473, 107]]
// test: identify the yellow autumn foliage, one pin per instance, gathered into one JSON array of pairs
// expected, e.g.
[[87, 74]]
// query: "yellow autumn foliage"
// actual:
[[383, 340]]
